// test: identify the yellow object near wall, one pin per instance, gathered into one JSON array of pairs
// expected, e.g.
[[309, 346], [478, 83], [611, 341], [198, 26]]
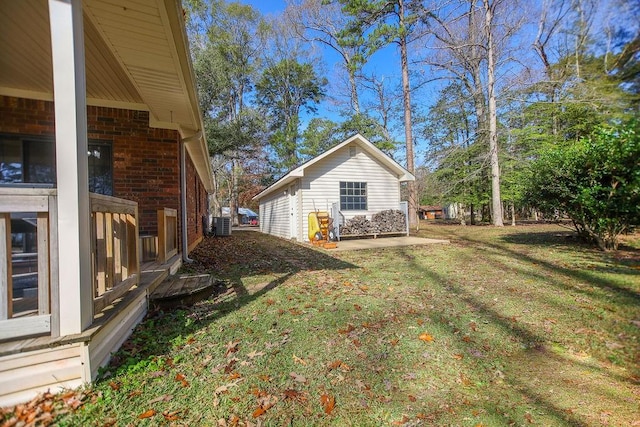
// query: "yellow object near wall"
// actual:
[[314, 225], [319, 223]]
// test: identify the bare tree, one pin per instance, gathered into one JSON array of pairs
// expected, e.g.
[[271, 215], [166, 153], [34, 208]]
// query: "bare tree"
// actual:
[[471, 43]]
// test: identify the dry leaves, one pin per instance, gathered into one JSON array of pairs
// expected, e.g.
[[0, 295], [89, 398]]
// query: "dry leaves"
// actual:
[[232, 347], [147, 414], [328, 403], [298, 378], [426, 337]]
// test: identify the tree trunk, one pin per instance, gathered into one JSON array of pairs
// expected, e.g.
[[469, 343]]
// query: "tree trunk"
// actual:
[[406, 92], [513, 214], [355, 103], [233, 202], [215, 208], [496, 202]]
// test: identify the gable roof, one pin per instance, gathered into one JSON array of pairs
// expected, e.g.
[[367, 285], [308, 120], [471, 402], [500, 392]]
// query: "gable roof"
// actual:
[[299, 172]]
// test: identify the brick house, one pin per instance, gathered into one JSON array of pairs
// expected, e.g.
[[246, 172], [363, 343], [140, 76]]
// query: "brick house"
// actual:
[[101, 152]]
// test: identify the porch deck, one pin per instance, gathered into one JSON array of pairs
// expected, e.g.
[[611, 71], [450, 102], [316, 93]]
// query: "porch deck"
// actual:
[[152, 275]]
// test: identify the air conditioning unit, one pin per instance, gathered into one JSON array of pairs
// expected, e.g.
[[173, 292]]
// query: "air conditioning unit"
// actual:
[[221, 226]]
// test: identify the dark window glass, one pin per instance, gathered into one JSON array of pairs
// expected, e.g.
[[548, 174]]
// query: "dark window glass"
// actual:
[[353, 196], [100, 168], [32, 160], [27, 160]]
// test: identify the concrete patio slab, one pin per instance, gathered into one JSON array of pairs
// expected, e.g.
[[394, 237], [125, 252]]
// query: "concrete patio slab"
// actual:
[[384, 242]]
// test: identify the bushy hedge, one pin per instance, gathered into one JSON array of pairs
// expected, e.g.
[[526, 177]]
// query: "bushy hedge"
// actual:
[[595, 182]]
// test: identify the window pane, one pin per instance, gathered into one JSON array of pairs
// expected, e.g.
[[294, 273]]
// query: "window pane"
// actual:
[[10, 161], [353, 196], [39, 162], [100, 168]]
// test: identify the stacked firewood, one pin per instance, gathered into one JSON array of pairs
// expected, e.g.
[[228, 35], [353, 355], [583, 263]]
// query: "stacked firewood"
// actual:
[[359, 224], [389, 221]]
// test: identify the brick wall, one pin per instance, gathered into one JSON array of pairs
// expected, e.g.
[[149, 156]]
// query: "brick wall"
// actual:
[[146, 161], [196, 204]]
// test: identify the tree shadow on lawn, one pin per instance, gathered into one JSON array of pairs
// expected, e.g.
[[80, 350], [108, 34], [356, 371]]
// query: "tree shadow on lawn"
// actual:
[[559, 240], [230, 260], [543, 376]]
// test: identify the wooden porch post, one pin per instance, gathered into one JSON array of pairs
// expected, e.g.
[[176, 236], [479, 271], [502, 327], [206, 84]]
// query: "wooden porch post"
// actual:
[[69, 88]]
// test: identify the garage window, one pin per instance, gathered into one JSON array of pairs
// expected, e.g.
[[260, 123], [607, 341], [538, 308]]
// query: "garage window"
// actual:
[[353, 196]]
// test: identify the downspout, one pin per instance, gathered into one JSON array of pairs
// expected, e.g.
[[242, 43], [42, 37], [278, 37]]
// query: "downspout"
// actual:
[[183, 192]]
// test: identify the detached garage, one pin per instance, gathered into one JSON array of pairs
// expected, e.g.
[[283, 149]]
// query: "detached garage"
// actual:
[[354, 178]]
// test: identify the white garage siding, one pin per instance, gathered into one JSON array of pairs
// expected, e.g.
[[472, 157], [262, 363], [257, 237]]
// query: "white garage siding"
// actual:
[[315, 186], [274, 215], [321, 183]]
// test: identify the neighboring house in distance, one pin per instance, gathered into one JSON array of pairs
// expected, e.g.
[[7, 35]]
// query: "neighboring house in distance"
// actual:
[[100, 142], [447, 211], [430, 212], [354, 176]]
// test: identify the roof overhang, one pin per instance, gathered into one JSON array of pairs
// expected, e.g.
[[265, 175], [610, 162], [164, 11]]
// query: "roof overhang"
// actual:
[[136, 57], [299, 172]]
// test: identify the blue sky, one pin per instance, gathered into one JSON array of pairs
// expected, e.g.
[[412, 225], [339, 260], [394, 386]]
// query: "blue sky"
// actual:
[[383, 64]]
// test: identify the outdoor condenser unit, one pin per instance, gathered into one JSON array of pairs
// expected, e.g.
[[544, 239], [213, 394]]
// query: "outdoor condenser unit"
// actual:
[[222, 226]]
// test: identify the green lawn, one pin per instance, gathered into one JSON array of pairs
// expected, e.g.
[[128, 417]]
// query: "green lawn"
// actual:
[[513, 326]]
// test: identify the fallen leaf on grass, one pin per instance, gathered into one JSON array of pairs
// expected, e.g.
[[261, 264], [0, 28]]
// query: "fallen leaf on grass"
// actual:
[[294, 395], [115, 386], [335, 364], [361, 386], [163, 398], [134, 393], [426, 337], [255, 354], [234, 375], [348, 329], [328, 403], [264, 404], [225, 387], [401, 422], [357, 307], [259, 411], [171, 416], [458, 356], [182, 379], [298, 378], [147, 414], [232, 347], [299, 360]]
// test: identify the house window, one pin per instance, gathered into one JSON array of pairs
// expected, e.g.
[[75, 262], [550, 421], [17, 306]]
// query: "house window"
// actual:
[[353, 196], [26, 159], [100, 167], [32, 160]]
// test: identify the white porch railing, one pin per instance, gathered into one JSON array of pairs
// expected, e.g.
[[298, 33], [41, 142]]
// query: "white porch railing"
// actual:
[[114, 246], [167, 233], [29, 257], [28, 296]]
